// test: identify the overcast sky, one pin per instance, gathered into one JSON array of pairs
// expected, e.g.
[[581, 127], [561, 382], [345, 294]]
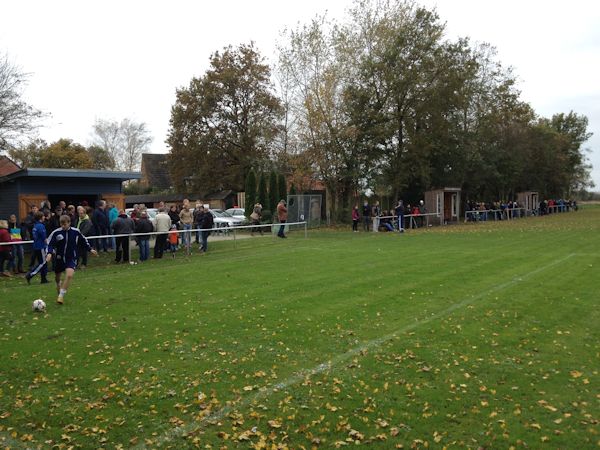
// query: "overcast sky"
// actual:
[[120, 59]]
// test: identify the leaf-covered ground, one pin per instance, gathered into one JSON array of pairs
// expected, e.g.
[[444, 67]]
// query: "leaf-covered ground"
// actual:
[[470, 336]]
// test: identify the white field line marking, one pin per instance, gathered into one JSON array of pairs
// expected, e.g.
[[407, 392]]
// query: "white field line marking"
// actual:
[[303, 374]]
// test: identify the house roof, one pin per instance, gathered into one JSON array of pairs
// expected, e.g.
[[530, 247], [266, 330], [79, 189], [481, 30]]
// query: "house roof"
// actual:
[[221, 195], [153, 198], [7, 166], [177, 197], [71, 173], [155, 170]]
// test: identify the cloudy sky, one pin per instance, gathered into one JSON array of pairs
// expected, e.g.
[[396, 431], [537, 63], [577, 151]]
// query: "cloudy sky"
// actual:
[[115, 59]]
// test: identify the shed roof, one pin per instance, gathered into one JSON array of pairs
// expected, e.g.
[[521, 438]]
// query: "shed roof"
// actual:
[[71, 173]]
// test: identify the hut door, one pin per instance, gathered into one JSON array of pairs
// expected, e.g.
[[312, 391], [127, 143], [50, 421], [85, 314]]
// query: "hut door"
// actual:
[[447, 207], [117, 199], [26, 201], [454, 206]]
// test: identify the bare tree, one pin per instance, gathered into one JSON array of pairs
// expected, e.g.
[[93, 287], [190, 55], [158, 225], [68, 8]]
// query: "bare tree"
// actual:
[[125, 141], [17, 118]]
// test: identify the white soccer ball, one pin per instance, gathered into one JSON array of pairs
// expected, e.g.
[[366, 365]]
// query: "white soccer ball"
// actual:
[[38, 305]]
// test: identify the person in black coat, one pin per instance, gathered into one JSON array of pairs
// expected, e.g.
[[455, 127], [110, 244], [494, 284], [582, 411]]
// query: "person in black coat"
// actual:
[[143, 225], [100, 221], [122, 225], [206, 224]]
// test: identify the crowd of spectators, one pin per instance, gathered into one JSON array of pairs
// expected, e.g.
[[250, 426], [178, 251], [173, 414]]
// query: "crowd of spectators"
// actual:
[[375, 219], [99, 224], [506, 210]]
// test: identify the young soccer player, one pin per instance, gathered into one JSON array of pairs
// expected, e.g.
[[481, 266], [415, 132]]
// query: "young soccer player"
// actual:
[[62, 242]]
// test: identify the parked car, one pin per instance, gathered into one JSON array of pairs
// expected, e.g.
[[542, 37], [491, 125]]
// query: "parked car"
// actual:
[[152, 212], [237, 213], [226, 217]]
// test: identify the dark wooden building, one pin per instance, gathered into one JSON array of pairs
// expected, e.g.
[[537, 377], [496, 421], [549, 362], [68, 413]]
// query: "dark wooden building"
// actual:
[[23, 188], [445, 202]]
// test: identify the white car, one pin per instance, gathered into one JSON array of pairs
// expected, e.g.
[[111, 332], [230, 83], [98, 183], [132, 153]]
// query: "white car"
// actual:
[[225, 217], [237, 213], [219, 220], [151, 213]]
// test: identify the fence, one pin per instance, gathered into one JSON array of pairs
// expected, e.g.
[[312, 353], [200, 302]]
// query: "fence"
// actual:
[[234, 232], [411, 220], [483, 215]]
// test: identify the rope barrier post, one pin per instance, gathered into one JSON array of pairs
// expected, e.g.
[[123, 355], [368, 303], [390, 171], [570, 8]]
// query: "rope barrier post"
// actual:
[[305, 230], [234, 241]]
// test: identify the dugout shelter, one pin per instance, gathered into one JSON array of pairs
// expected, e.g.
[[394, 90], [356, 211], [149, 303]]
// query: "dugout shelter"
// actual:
[[529, 200], [445, 202], [24, 188]]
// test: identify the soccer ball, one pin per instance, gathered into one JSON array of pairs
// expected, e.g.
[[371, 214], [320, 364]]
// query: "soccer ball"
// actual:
[[38, 305]]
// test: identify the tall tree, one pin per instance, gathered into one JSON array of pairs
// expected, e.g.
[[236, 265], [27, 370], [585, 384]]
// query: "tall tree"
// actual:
[[399, 55], [574, 129], [316, 75], [65, 154], [62, 154], [224, 123], [282, 186], [28, 155], [18, 119], [250, 192], [101, 159], [124, 141], [273, 190], [263, 197]]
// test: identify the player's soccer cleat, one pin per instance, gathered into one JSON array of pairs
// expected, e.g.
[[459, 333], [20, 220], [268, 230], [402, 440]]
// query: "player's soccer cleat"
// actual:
[[60, 300], [28, 278]]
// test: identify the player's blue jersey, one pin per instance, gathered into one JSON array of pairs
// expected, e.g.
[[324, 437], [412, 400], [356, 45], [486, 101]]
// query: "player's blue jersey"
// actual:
[[64, 243]]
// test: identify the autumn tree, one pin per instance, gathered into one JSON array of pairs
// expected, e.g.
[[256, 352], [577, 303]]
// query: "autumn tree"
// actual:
[[123, 141], [224, 122], [316, 77], [555, 163], [18, 119], [62, 154], [27, 155], [101, 159]]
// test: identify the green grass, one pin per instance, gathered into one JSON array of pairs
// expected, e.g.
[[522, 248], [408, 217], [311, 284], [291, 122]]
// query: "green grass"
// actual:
[[478, 335]]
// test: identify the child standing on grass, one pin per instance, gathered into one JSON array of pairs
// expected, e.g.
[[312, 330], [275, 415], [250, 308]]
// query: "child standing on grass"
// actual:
[[173, 239], [15, 236]]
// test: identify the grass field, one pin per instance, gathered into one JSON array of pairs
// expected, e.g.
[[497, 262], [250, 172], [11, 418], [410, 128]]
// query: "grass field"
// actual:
[[468, 336]]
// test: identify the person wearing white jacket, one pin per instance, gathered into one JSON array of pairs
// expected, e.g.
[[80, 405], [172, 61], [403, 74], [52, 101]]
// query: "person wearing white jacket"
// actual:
[[163, 225]]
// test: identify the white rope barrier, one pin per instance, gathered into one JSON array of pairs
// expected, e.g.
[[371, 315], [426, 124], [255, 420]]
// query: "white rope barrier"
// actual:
[[225, 229]]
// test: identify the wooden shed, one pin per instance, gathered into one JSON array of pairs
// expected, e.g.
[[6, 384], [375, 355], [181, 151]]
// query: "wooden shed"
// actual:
[[445, 202], [530, 200], [24, 188]]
